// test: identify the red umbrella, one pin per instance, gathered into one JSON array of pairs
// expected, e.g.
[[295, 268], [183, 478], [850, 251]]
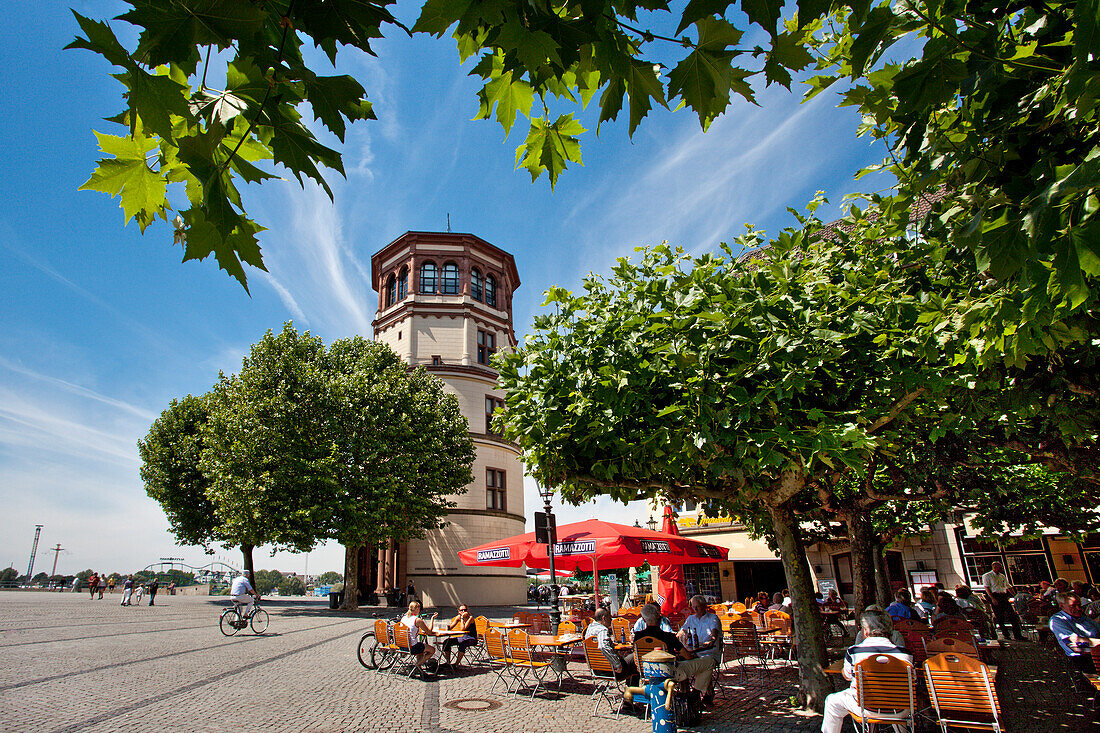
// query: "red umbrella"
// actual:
[[594, 545], [670, 578]]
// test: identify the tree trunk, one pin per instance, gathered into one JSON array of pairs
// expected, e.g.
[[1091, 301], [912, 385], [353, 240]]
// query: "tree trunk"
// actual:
[[246, 550], [808, 630], [351, 578], [884, 593], [863, 545]]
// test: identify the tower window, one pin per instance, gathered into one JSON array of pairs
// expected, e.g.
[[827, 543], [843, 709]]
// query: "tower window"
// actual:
[[391, 290], [486, 346], [403, 284], [490, 291], [476, 284], [495, 490], [428, 275], [450, 279], [437, 360], [492, 404]]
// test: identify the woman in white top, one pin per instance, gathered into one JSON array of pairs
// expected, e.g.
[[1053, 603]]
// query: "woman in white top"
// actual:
[[421, 649]]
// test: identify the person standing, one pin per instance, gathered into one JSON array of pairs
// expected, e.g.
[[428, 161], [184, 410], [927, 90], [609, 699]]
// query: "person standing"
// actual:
[[93, 583], [111, 584], [996, 587], [101, 586], [410, 592], [153, 586], [139, 591], [127, 590]]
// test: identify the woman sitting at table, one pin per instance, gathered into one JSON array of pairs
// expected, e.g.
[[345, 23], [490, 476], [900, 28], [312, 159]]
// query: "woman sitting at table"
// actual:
[[761, 605], [833, 602], [947, 608], [463, 622], [422, 650]]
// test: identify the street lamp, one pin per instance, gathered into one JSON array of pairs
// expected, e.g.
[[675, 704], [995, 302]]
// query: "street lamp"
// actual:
[[652, 524], [547, 493]]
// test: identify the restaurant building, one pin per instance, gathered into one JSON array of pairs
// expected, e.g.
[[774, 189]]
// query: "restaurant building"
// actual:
[[445, 304]]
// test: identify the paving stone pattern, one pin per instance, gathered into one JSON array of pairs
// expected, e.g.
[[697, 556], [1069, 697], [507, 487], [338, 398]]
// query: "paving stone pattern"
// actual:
[[71, 664]]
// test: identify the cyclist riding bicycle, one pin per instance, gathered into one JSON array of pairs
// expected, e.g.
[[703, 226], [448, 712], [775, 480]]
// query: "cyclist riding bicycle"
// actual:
[[243, 592]]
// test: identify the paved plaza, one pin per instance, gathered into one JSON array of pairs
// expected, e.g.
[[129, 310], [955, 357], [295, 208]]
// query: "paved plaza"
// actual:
[[71, 664]]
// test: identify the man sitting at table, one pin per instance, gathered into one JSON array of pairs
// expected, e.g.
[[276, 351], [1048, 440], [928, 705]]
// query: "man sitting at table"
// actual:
[[706, 627], [700, 669], [902, 607], [463, 622], [640, 624], [876, 642], [624, 670], [1076, 632]]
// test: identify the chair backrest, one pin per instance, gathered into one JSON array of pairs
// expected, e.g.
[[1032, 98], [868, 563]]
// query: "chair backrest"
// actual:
[[938, 646], [402, 637], [521, 617], [903, 625], [621, 629], [883, 682], [598, 663], [482, 625], [1095, 652], [567, 627], [540, 623], [744, 638], [644, 645], [382, 632], [519, 646], [757, 619], [959, 682], [739, 607], [741, 622], [494, 645], [966, 637], [953, 624], [914, 642], [777, 620]]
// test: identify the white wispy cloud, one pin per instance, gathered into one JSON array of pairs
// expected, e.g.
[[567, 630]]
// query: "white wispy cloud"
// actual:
[[77, 389]]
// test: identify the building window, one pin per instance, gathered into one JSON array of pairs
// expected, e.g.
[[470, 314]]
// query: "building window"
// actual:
[[492, 404], [490, 291], [427, 277], [391, 290], [437, 360], [403, 284], [476, 284], [486, 346], [495, 490], [450, 279]]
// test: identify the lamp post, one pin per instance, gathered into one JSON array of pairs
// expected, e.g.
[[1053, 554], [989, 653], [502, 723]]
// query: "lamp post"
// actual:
[[652, 524], [547, 493]]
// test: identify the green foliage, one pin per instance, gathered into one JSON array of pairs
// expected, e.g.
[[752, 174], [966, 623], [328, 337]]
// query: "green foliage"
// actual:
[[9, 575], [266, 580], [329, 577], [292, 585]]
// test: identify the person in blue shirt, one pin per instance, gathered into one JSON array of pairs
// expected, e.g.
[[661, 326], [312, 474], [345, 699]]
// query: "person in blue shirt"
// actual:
[[902, 607], [1076, 633]]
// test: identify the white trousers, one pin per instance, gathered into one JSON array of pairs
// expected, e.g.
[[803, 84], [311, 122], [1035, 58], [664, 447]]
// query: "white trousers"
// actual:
[[245, 599], [840, 704], [126, 593]]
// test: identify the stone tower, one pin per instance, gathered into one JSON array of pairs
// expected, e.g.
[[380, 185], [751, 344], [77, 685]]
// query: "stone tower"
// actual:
[[445, 303]]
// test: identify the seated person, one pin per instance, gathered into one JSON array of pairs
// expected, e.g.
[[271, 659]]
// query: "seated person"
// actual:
[[973, 608], [462, 622], [601, 629], [947, 608], [926, 606], [640, 624], [1021, 600], [833, 602], [901, 608], [875, 642], [761, 604], [1092, 608], [704, 626], [422, 650], [777, 603], [896, 637], [700, 669], [1076, 633]]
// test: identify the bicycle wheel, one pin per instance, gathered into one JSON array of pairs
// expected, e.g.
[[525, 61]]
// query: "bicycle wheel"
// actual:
[[228, 622], [260, 620], [368, 653]]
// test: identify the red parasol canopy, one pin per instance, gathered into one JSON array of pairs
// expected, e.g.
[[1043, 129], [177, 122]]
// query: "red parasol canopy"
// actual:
[[671, 593], [595, 545]]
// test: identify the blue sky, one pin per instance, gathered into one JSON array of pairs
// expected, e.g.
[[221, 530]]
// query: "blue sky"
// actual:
[[100, 326]]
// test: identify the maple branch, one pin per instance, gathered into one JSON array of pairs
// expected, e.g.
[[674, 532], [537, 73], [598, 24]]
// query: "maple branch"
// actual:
[[896, 410]]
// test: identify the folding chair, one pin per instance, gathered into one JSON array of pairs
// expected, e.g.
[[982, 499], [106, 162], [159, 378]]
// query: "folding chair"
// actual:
[[524, 661], [949, 644], [477, 652], [644, 645], [744, 642], [496, 656], [403, 640], [603, 676], [952, 624], [884, 683], [386, 648], [963, 635], [621, 630], [962, 693], [739, 607]]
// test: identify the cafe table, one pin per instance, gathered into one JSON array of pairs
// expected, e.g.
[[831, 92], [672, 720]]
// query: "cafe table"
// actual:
[[561, 647]]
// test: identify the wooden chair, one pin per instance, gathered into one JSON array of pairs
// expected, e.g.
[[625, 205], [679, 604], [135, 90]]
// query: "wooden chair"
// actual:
[[644, 645], [778, 633], [953, 646], [952, 624], [603, 677], [525, 662], [386, 648], [621, 630], [403, 641], [758, 619], [521, 617], [567, 627], [739, 607], [744, 642], [481, 623], [496, 655], [967, 637], [962, 693], [884, 683]]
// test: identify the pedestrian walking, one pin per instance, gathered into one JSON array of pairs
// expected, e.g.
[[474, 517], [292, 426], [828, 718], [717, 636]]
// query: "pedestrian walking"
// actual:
[[153, 585], [93, 583], [101, 585], [111, 584], [127, 590], [139, 591]]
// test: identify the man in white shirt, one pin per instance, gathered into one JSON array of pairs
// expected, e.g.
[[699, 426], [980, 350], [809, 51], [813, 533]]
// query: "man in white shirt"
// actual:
[[876, 642], [242, 592], [996, 587], [705, 628], [600, 629]]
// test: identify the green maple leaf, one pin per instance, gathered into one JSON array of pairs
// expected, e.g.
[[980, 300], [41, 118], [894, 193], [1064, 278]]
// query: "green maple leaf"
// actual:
[[697, 9], [172, 31], [509, 96], [335, 97], [642, 85], [100, 39], [142, 192], [550, 147], [764, 13], [787, 52], [436, 16], [810, 9], [348, 22]]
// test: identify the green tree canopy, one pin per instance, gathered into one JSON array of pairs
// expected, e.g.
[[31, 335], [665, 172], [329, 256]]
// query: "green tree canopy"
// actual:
[[292, 585], [329, 577]]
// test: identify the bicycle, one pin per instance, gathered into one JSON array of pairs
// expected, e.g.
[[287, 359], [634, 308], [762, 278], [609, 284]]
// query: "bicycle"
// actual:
[[232, 620]]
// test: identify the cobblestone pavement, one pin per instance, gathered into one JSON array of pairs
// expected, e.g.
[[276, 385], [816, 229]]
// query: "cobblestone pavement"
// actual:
[[70, 664]]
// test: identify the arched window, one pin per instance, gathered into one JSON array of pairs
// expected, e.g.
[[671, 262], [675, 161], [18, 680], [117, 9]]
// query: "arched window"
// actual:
[[476, 284], [391, 290], [427, 277], [490, 291], [403, 284], [450, 279]]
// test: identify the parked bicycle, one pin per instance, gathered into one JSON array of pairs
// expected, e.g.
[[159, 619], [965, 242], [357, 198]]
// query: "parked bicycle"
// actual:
[[233, 620]]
